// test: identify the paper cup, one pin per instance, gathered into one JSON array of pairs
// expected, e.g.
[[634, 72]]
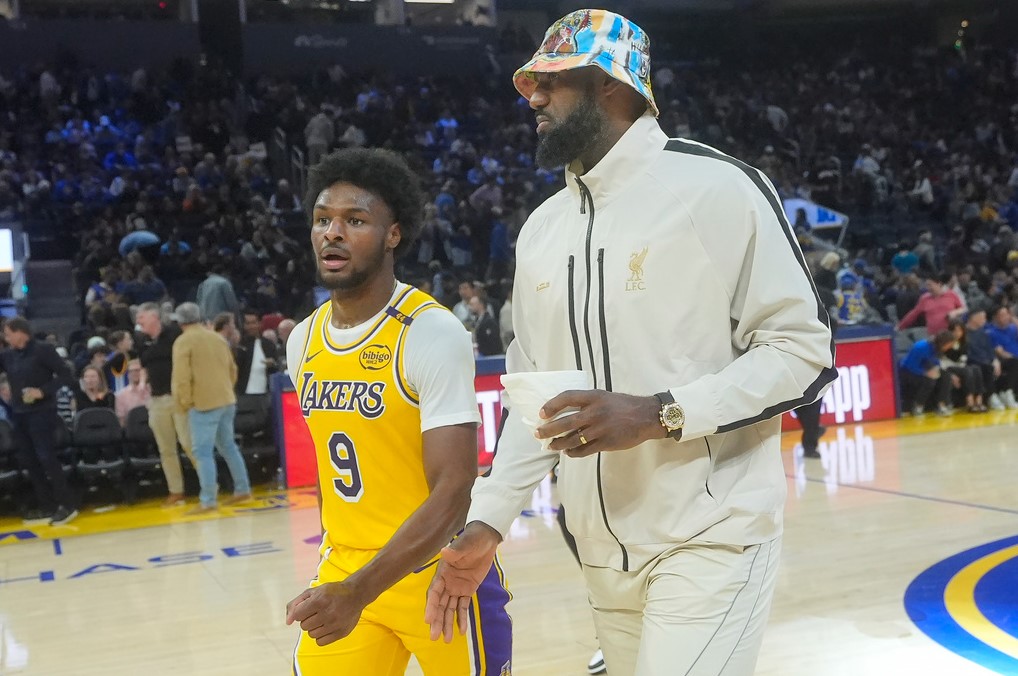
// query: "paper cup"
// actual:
[[529, 392]]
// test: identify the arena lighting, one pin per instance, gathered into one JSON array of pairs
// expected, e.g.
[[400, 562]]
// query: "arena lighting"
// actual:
[[965, 23]]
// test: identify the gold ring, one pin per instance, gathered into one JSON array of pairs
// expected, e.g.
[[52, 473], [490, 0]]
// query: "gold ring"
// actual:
[[583, 439]]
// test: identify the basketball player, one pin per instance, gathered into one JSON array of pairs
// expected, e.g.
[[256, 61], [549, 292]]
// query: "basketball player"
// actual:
[[384, 375]]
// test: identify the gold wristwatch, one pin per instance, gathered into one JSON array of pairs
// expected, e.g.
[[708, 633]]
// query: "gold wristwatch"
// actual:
[[671, 415]]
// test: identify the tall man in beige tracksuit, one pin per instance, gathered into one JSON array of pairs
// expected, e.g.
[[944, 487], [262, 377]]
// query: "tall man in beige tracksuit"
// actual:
[[668, 272], [204, 374]]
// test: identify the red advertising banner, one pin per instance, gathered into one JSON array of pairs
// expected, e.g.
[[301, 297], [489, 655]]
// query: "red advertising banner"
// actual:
[[301, 466], [489, 399], [865, 388]]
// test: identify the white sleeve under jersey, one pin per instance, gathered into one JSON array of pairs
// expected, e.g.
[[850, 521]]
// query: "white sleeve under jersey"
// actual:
[[439, 364]]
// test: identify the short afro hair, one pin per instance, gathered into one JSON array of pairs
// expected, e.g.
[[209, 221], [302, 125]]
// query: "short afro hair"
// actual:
[[382, 172]]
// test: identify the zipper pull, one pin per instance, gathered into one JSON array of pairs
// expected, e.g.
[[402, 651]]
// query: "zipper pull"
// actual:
[[583, 196]]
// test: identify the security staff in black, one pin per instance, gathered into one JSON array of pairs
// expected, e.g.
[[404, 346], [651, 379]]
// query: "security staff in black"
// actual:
[[36, 372]]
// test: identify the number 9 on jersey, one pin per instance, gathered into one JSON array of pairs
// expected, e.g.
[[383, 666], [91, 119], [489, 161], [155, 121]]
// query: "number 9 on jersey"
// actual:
[[343, 456]]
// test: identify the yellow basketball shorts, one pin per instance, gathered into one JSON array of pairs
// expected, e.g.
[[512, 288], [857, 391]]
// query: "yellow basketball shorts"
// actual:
[[392, 628]]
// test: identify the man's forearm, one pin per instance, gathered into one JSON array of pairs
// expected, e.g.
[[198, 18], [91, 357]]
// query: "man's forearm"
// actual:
[[420, 537]]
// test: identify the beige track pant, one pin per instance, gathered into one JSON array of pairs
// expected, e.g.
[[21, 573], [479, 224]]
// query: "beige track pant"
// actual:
[[699, 609]]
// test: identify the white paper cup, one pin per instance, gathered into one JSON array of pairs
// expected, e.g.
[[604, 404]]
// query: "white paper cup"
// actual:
[[529, 392]]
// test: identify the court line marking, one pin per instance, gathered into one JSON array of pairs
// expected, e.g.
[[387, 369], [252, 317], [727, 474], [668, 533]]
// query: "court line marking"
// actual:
[[960, 601], [58, 549], [916, 496]]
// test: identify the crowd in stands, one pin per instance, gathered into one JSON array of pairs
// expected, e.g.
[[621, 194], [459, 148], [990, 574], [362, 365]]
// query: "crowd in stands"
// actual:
[[162, 182], [187, 382]]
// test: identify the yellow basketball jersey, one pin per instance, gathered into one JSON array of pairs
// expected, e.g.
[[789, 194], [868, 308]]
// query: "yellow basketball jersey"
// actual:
[[365, 421]]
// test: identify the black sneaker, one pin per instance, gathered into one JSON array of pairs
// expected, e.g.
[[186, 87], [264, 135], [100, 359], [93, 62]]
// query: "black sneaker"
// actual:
[[810, 453], [37, 517], [62, 516]]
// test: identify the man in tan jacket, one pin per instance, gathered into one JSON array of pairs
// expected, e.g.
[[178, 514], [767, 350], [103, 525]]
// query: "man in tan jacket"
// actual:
[[204, 374]]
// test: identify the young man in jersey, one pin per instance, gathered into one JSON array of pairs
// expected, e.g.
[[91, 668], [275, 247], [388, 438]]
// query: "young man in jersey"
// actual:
[[384, 375]]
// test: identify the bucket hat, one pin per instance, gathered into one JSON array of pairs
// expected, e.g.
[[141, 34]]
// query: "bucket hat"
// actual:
[[592, 37]]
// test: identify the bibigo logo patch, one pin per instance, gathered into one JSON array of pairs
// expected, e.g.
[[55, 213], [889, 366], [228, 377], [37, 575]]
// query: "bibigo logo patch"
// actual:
[[375, 357]]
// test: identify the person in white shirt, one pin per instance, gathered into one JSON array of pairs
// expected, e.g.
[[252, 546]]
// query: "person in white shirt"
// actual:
[[462, 308], [134, 395], [256, 357], [664, 266]]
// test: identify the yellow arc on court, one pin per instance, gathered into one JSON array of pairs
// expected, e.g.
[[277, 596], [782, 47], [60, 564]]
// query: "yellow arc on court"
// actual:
[[960, 600]]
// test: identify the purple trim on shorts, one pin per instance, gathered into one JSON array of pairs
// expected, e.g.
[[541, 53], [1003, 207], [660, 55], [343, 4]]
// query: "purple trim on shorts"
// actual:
[[496, 625]]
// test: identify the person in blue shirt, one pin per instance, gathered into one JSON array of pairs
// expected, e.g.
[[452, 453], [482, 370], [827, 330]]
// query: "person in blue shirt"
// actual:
[[921, 375], [1003, 333], [851, 300], [905, 261], [120, 159], [499, 251], [981, 354]]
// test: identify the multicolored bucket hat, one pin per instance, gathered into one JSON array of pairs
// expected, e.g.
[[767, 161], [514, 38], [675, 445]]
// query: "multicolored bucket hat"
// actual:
[[592, 37]]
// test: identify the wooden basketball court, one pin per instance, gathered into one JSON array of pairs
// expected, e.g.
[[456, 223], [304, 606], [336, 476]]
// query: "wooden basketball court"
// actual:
[[143, 590]]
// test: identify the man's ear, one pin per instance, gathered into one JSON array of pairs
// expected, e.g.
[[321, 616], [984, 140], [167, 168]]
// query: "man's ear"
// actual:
[[609, 85], [394, 236], [624, 96]]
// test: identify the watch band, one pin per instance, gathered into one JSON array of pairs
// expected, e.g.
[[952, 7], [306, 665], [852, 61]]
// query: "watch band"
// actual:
[[663, 399]]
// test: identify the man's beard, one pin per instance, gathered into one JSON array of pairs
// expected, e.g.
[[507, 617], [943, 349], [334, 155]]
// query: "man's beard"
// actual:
[[352, 279], [569, 138]]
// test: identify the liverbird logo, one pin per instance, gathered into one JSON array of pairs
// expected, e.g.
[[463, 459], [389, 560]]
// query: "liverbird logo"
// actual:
[[635, 281], [636, 265]]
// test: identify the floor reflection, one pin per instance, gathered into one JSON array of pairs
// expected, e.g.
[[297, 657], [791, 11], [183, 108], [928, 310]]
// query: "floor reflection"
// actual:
[[847, 457]]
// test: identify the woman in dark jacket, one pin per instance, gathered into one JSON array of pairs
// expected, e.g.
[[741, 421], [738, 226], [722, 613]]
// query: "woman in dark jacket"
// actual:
[[93, 392]]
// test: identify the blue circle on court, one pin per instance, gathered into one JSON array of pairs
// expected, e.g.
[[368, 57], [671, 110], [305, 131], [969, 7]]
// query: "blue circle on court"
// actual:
[[995, 595]]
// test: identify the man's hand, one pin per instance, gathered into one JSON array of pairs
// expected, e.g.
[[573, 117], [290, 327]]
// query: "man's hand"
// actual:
[[606, 421], [464, 564], [327, 612]]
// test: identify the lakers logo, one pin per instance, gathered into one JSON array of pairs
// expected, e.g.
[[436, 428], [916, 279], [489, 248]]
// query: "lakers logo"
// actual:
[[635, 281], [375, 357], [341, 395]]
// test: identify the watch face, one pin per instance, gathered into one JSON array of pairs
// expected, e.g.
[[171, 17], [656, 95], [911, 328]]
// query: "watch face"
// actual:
[[673, 415]]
